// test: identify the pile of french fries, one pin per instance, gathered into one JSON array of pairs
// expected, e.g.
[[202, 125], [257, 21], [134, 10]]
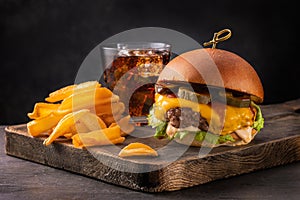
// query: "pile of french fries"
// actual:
[[86, 113]]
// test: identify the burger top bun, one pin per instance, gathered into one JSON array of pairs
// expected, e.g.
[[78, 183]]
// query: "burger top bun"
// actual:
[[215, 67]]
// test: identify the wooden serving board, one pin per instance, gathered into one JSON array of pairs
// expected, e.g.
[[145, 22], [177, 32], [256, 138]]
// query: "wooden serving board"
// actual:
[[177, 166]]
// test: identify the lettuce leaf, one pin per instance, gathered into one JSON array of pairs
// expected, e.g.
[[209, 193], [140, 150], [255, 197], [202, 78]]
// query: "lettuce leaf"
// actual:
[[226, 138], [152, 120], [181, 134], [200, 135], [159, 125], [211, 138], [160, 131], [208, 137], [259, 120]]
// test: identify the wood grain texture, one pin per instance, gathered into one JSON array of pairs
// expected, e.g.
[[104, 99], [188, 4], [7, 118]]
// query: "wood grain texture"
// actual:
[[277, 144]]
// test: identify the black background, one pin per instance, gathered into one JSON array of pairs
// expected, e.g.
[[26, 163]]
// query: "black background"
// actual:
[[44, 42]]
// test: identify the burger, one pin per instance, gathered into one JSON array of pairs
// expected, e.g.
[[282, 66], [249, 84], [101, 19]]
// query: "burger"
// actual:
[[208, 97]]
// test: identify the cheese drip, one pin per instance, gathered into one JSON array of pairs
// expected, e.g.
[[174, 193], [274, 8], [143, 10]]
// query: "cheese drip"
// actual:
[[234, 118]]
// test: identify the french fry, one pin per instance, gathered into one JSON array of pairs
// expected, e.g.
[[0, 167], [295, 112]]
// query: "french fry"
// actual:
[[65, 125], [109, 119], [101, 123], [93, 122], [42, 109], [137, 149], [126, 127], [38, 126], [60, 94], [110, 109], [81, 127], [88, 99], [78, 127], [106, 136], [112, 125], [87, 86], [68, 135], [64, 92], [77, 142]]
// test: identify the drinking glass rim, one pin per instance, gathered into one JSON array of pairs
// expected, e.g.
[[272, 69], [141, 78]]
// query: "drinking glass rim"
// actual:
[[137, 45]]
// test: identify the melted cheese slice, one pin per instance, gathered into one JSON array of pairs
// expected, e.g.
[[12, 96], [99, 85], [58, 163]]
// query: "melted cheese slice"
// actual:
[[234, 118]]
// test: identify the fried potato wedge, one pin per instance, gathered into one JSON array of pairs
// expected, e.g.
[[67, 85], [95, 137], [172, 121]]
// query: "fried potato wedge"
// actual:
[[80, 126], [87, 85], [126, 127], [137, 149], [109, 119], [42, 109], [60, 94], [77, 142], [115, 109], [106, 136], [89, 99], [65, 126], [41, 125], [67, 91], [93, 122]]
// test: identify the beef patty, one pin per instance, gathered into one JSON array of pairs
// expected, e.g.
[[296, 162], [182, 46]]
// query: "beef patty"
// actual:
[[185, 117]]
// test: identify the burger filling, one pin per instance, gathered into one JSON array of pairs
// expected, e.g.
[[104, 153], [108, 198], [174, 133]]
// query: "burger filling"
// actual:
[[186, 117], [176, 118]]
